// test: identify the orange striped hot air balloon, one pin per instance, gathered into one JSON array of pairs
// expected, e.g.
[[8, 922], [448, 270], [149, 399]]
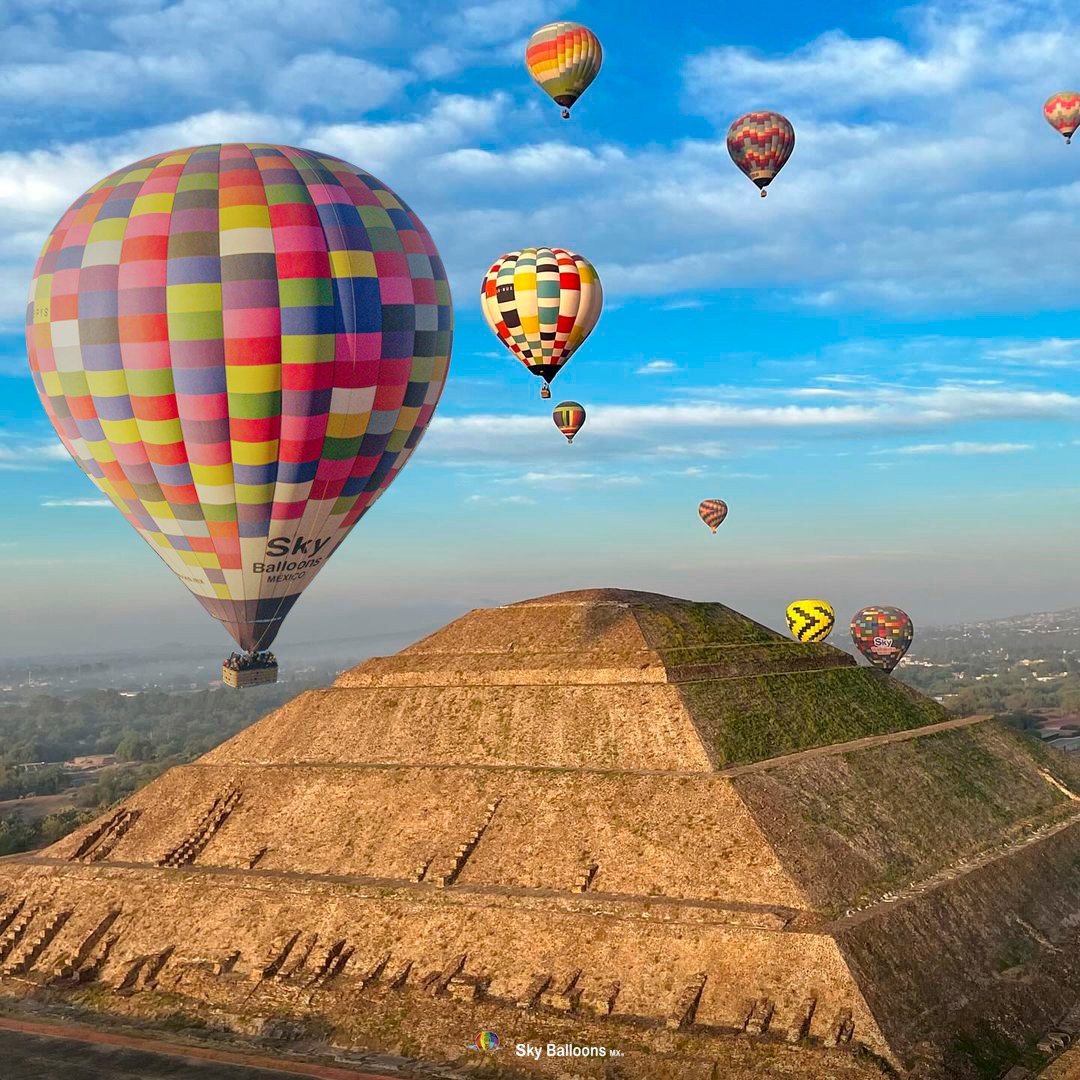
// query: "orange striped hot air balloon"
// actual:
[[564, 58], [712, 512], [760, 144], [569, 417], [1062, 112]]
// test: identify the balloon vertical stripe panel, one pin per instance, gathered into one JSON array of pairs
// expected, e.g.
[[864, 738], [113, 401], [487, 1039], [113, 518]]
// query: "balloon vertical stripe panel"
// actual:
[[241, 345]]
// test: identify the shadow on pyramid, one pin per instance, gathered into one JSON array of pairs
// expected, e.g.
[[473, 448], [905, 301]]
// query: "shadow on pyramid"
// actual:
[[602, 820]]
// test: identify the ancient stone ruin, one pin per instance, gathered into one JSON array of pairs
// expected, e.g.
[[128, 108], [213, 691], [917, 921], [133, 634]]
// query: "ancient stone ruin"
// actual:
[[601, 818]]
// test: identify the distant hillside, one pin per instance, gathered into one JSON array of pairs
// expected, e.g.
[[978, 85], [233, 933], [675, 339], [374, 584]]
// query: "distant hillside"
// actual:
[[1020, 664]]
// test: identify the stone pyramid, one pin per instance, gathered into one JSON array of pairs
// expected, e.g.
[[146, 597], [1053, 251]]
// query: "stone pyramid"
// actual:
[[602, 818]]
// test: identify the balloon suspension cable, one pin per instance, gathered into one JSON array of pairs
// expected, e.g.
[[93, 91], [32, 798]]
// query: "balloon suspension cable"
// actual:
[[1068, 140], [565, 114]]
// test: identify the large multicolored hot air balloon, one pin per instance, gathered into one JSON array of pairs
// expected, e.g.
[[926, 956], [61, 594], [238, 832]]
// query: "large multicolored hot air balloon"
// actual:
[[240, 345], [1062, 112], [810, 620], [712, 512], [760, 144], [542, 303], [882, 635], [564, 58], [569, 417]]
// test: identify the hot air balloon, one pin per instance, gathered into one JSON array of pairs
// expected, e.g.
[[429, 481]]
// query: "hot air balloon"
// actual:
[[564, 58], [810, 620], [542, 303], [760, 144], [569, 417], [240, 345], [882, 635], [1062, 112], [712, 512]]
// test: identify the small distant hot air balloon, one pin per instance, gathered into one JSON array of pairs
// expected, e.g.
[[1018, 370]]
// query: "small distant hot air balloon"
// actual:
[[810, 620], [241, 346], [760, 144], [542, 303], [564, 58], [568, 417], [712, 512], [1062, 112], [882, 635]]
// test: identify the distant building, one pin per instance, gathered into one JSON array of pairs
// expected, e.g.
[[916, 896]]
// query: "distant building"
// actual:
[[91, 761]]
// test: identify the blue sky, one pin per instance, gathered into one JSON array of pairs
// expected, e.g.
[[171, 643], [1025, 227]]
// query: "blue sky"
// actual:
[[878, 366]]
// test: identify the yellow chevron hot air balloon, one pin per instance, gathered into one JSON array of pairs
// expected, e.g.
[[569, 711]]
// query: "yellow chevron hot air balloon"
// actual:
[[810, 620]]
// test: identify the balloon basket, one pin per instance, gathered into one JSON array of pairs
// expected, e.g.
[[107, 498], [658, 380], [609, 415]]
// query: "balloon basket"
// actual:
[[258, 674]]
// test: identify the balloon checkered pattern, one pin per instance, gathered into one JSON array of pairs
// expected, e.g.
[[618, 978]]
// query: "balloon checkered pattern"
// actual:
[[241, 345]]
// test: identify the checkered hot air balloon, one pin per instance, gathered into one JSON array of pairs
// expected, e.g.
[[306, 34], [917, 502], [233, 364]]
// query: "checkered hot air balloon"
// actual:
[[882, 635], [712, 512], [240, 345], [1062, 112], [569, 416], [810, 620], [542, 303], [760, 144], [564, 58]]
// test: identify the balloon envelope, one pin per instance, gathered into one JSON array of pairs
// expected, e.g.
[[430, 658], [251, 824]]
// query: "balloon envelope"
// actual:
[[569, 417], [1062, 112], [760, 144], [810, 620], [563, 58], [241, 345], [712, 512], [542, 303], [882, 635]]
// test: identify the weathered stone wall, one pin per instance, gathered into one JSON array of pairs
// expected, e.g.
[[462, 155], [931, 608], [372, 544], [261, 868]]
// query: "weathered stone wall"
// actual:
[[851, 827], [641, 835], [662, 966], [990, 955], [591, 727]]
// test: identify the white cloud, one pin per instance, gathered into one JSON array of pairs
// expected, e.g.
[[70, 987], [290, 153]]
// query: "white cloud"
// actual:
[[511, 500], [75, 502], [657, 367], [576, 479], [960, 448], [686, 304], [668, 430], [322, 78], [1047, 352], [23, 454]]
